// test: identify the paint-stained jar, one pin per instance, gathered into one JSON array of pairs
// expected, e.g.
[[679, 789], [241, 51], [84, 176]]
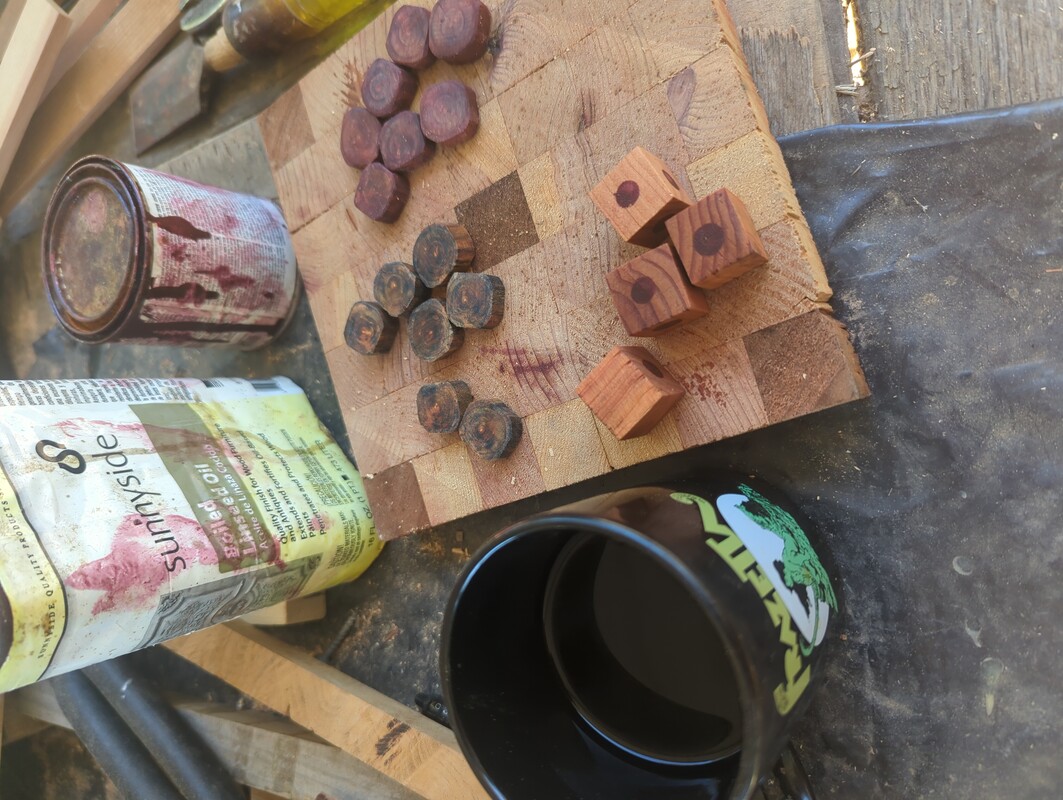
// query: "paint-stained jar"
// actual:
[[134, 255]]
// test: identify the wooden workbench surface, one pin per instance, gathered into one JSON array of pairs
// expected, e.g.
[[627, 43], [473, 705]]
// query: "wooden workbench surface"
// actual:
[[932, 57]]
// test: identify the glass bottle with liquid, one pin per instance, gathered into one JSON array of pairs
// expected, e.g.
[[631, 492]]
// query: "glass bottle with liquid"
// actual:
[[253, 29]]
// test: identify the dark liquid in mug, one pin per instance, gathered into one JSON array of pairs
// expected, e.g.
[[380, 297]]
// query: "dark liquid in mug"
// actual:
[[641, 661]]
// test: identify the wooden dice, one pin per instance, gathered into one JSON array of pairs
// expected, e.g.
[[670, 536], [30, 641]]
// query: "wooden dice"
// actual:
[[398, 289], [459, 30], [402, 145], [491, 429], [369, 330], [441, 406], [407, 42], [629, 392], [432, 336], [652, 294], [449, 113], [359, 138], [381, 194], [638, 195], [440, 250], [716, 240], [387, 88]]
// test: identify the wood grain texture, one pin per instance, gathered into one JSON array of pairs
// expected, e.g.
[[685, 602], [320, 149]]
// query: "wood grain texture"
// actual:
[[290, 612], [569, 89], [716, 240], [387, 88], [804, 364], [449, 113], [441, 249], [382, 193], [359, 138], [399, 743], [407, 42], [440, 406], [475, 300], [491, 429], [797, 54], [458, 30], [403, 146], [936, 57], [37, 35], [369, 329], [638, 195], [397, 288], [262, 750], [131, 39], [629, 392], [652, 294]]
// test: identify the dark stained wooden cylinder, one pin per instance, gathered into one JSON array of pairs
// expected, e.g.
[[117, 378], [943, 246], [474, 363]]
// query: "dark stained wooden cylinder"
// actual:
[[491, 429], [381, 194], [432, 336], [398, 289], [475, 300], [369, 330], [387, 88], [402, 145], [440, 406], [359, 138], [459, 30], [449, 113], [407, 41], [440, 250]]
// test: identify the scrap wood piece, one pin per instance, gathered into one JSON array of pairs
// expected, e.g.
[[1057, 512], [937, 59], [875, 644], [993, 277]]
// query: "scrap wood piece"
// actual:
[[87, 18], [652, 294], [398, 742], [36, 31], [289, 612], [263, 751], [441, 406], [432, 335], [716, 240], [132, 38], [440, 250], [459, 30], [629, 392], [407, 41], [475, 300]]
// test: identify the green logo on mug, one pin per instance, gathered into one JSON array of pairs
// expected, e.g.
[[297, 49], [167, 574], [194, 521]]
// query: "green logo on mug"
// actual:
[[752, 538]]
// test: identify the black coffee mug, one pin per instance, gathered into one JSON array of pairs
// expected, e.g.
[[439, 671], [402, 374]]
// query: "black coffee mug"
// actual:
[[653, 642]]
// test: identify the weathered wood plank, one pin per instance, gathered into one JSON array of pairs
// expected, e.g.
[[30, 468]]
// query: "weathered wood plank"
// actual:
[[938, 57]]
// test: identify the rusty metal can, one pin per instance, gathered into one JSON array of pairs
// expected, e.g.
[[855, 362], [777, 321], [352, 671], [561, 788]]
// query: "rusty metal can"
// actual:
[[134, 255]]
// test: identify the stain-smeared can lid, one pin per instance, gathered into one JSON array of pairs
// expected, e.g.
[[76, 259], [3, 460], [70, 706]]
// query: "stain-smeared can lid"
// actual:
[[92, 240]]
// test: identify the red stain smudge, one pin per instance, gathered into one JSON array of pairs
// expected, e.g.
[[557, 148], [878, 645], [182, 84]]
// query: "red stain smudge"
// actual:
[[179, 226], [76, 427], [229, 223], [531, 370], [131, 575], [227, 279], [190, 292], [177, 251]]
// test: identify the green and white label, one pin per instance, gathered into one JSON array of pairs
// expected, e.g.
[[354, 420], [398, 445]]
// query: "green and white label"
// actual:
[[765, 547]]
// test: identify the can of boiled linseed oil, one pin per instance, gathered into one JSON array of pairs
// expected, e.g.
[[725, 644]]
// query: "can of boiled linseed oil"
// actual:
[[134, 255]]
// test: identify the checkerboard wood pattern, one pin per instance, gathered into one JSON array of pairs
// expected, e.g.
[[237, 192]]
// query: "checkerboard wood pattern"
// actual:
[[567, 89]]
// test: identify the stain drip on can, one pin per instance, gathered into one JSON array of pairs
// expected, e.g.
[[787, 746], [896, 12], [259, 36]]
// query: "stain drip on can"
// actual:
[[135, 255]]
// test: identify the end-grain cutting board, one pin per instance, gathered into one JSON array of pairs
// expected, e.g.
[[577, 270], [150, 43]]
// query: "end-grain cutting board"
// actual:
[[569, 87]]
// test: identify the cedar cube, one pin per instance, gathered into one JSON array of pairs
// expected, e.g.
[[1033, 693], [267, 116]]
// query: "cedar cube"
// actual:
[[629, 392], [638, 195], [716, 240], [652, 293]]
